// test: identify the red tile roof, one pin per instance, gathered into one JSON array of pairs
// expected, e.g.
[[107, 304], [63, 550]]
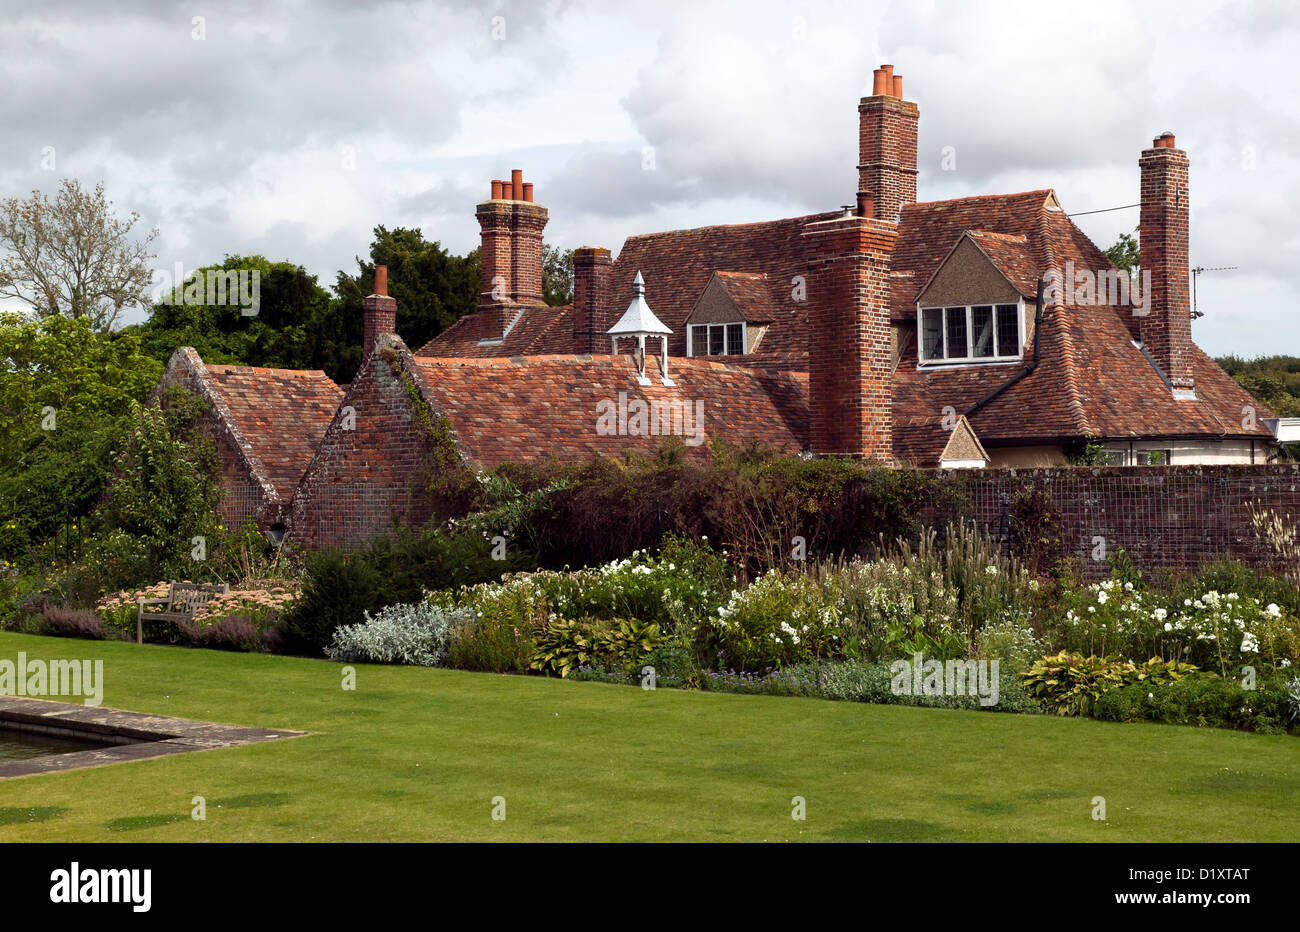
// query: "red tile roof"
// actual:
[[533, 331], [282, 413], [751, 293], [542, 406], [1090, 380]]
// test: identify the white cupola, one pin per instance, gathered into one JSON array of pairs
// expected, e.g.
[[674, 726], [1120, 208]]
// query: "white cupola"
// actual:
[[640, 322]]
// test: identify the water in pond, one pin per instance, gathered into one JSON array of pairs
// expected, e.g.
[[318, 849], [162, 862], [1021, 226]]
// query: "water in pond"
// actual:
[[21, 745]]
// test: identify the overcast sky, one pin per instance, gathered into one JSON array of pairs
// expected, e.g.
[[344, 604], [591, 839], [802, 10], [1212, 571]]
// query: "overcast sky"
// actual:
[[292, 129]]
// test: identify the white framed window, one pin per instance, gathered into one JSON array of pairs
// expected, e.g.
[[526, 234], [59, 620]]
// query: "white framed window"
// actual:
[[1145, 456], [971, 332], [715, 340]]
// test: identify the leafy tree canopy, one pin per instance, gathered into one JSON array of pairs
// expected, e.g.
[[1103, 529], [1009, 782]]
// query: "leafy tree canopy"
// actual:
[[433, 287], [65, 392]]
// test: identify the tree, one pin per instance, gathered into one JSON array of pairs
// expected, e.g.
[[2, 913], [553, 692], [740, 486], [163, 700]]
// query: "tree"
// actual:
[[164, 496], [65, 392], [72, 256], [557, 275], [1125, 254], [293, 327], [433, 287]]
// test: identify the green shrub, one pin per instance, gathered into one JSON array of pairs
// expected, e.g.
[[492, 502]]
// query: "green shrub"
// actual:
[[1114, 618], [341, 587], [163, 496], [490, 643], [1071, 684], [564, 646], [777, 620], [1014, 646], [1202, 699]]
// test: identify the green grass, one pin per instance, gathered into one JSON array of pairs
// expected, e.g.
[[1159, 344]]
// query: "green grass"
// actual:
[[416, 754]]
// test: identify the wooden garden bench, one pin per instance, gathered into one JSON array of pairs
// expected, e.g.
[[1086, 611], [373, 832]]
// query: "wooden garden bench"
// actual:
[[183, 599]]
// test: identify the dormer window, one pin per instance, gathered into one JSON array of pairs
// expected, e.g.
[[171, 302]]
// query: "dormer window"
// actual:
[[971, 333], [715, 340]]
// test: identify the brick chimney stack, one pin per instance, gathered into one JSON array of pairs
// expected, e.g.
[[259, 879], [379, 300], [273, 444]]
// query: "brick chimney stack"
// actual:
[[380, 312], [592, 268], [1162, 236], [850, 358], [511, 228], [887, 145]]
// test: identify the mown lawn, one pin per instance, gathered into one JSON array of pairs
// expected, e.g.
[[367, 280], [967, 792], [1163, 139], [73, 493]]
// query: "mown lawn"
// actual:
[[416, 754]]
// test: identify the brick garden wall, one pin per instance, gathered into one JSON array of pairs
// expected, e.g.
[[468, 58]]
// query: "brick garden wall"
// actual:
[[1171, 516]]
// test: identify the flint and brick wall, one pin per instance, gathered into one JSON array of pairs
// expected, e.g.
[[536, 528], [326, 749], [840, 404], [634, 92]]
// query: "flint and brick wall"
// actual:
[[1163, 516]]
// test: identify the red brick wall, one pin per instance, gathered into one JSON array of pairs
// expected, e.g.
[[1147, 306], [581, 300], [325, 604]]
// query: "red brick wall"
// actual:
[[1163, 230], [849, 345], [380, 317], [511, 248], [365, 480], [592, 269], [887, 153], [1163, 516]]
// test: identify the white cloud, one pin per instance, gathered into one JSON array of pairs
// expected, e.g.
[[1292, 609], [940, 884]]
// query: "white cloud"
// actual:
[[236, 144]]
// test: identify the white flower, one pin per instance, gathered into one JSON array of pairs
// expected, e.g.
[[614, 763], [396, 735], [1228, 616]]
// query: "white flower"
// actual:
[[1101, 598], [1160, 615], [1249, 644], [1273, 611], [990, 571]]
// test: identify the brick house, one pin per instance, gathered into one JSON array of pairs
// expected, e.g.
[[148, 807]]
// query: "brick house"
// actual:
[[905, 315], [982, 331]]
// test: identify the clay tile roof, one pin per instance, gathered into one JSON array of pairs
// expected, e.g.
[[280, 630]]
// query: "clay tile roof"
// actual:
[[533, 331], [530, 408], [920, 440], [923, 441], [1012, 256], [283, 413], [928, 231], [751, 295], [678, 264]]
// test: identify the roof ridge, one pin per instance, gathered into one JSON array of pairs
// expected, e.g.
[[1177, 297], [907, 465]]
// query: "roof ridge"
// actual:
[[803, 218], [271, 370], [982, 197]]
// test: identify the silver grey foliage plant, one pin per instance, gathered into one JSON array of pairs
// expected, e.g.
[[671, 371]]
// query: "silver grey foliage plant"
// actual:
[[410, 634]]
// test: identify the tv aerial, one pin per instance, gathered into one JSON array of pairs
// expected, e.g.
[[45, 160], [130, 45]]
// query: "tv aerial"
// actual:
[[1197, 271]]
